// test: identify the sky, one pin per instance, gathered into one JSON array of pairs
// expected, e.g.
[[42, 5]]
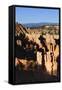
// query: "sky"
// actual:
[[36, 15]]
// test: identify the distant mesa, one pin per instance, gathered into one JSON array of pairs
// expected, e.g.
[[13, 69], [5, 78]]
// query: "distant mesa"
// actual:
[[39, 25]]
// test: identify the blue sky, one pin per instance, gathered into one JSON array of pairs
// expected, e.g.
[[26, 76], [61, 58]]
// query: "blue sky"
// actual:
[[36, 15]]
